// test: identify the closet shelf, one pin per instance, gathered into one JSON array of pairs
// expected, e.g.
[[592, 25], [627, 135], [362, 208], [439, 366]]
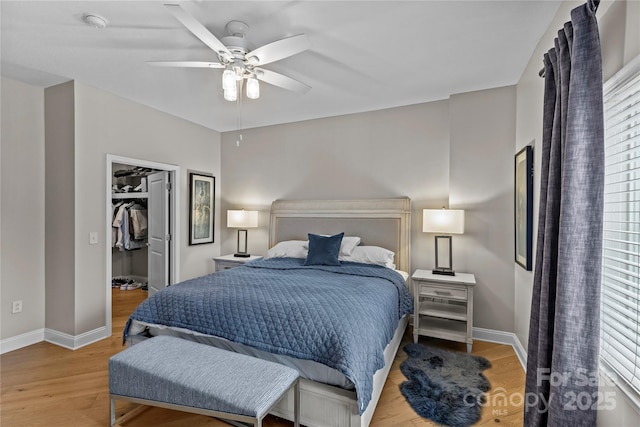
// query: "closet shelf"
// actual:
[[132, 195]]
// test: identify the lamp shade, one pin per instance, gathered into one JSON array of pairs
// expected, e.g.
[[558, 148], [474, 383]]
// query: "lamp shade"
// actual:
[[242, 219], [449, 221]]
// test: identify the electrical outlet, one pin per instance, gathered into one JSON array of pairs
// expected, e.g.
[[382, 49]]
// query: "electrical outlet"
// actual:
[[17, 307]]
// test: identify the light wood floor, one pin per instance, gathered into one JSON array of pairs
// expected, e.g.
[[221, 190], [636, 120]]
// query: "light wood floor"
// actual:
[[46, 385]]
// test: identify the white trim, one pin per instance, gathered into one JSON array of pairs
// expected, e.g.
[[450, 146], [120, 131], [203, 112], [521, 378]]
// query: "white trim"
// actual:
[[611, 377], [625, 74], [612, 88], [520, 352], [501, 337], [54, 337], [75, 342], [22, 340], [176, 229]]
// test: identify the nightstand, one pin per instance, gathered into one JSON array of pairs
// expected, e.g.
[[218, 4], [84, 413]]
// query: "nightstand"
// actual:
[[443, 306], [226, 262]]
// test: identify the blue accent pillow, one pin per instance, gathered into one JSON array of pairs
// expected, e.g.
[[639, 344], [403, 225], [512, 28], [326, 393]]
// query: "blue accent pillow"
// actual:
[[324, 250]]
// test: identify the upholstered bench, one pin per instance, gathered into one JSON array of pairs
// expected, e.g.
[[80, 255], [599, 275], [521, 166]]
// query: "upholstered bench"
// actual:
[[178, 374]]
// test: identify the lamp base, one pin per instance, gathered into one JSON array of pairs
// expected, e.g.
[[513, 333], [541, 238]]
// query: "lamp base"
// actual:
[[242, 255], [444, 271]]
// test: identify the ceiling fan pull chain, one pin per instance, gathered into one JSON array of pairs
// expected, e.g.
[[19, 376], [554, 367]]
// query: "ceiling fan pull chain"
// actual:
[[239, 122]]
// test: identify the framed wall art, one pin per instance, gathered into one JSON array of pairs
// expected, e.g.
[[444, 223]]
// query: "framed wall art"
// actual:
[[524, 207], [202, 191]]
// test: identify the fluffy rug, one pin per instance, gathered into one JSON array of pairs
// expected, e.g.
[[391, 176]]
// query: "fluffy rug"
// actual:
[[444, 386]]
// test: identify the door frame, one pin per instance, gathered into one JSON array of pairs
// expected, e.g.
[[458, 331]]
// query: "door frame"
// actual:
[[174, 222]]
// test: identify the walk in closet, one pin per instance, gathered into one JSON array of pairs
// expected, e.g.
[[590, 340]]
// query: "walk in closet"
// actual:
[[136, 188], [129, 235]]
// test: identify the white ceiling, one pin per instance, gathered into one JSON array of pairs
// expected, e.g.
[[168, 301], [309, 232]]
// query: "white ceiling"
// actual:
[[365, 55]]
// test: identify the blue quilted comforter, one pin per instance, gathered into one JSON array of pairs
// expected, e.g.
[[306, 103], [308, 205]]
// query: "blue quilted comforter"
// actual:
[[341, 316]]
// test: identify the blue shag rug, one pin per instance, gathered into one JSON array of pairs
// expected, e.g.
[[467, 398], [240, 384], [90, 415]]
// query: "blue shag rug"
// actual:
[[444, 386]]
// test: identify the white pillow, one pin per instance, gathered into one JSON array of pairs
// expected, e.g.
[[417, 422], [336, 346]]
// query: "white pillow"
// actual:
[[371, 255], [289, 249], [348, 244]]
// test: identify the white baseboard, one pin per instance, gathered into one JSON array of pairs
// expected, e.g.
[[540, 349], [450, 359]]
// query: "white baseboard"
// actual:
[[75, 342], [22, 340], [501, 337], [520, 352], [54, 337]]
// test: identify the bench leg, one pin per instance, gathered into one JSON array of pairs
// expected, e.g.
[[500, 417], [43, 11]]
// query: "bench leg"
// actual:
[[296, 404], [112, 412]]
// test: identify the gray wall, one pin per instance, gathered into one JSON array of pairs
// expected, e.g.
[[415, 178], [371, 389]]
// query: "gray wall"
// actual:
[[83, 125], [353, 156], [108, 124], [22, 208], [422, 151], [60, 211], [619, 27], [481, 183]]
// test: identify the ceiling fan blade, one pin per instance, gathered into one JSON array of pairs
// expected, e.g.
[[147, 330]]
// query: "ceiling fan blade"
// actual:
[[280, 49], [281, 80], [198, 30], [187, 64]]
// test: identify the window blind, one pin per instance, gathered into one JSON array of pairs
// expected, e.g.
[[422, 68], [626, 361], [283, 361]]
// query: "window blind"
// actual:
[[620, 311]]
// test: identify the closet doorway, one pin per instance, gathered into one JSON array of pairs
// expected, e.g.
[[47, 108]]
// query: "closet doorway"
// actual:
[[136, 187]]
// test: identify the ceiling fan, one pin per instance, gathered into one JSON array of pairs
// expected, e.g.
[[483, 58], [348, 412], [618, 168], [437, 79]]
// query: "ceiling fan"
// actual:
[[238, 58]]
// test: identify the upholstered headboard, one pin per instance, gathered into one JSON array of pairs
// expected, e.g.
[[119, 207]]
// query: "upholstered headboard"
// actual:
[[378, 222]]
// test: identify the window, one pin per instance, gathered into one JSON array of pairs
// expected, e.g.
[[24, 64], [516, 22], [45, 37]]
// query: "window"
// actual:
[[620, 314]]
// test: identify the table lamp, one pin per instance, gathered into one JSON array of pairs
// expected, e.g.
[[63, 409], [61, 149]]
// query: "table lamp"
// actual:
[[449, 221], [242, 220]]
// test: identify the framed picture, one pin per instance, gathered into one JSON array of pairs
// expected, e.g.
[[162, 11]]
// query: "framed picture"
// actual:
[[202, 191], [524, 207]]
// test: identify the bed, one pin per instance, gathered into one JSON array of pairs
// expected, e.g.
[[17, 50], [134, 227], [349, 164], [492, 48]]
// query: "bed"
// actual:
[[339, 386]]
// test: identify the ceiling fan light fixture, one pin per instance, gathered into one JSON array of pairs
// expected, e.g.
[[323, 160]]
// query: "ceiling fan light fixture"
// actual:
[[238, 57], [231, 94], [253, 88], [239, 69], [228, 79]]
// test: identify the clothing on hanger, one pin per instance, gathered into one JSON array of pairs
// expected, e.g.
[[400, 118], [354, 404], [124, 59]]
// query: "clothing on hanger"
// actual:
[[138, 217], [122, 224]]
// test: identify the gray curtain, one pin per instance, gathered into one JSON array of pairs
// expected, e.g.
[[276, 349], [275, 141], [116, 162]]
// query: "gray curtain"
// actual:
[[562, 362]]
